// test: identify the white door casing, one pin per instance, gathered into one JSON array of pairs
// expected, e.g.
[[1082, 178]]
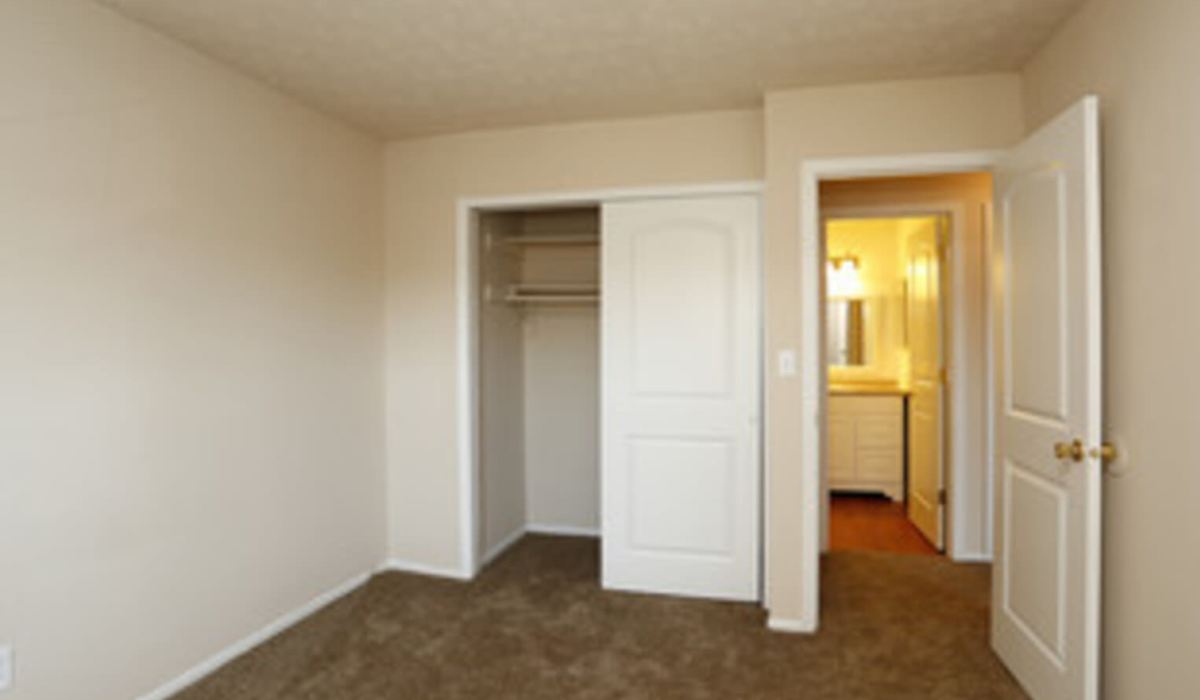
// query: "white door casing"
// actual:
[[680, 396], [1047, 303], [925, 254]]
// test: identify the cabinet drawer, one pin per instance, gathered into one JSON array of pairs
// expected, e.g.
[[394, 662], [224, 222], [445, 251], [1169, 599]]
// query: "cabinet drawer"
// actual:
[[880, 465], [866, 405], [883, 432]]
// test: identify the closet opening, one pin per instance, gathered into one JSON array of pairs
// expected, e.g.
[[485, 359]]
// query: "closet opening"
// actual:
[[538, 403], [609, 354]]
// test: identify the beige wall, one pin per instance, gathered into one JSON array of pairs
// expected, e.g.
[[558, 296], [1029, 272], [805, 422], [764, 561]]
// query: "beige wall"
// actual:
[[1141, 58], [949, 114], [501, 386], [425, 178], [190, 305]]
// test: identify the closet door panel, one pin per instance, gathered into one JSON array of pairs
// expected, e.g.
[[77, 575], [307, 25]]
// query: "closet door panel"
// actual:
[[680, 393]]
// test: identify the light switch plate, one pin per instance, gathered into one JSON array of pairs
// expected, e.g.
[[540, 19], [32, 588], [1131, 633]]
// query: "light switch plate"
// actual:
[[6, 667], [787, 363]]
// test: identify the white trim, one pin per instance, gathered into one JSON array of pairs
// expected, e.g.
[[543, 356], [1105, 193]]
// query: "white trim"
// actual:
[[811, 374], [467, 386], [783, 624], [502, 546], [539, 200], [972, 558], [245, 644], [413, 567], [562, 530], [467, 313]]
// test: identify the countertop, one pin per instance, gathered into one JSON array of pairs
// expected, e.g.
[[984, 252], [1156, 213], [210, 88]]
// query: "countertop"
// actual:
[[867, 389]]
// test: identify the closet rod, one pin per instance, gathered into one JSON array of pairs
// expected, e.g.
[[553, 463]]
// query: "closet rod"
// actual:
[[555, 239], [553, 298], [553, 293]]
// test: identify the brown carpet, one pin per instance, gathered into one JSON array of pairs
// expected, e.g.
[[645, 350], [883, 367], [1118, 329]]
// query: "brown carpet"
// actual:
[[536, 624]]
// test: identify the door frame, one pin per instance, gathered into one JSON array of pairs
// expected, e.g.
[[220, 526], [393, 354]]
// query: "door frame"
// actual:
[[467, 376], [813, 380]]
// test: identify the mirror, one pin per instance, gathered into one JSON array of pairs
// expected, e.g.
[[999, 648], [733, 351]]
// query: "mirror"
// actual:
[[844, 325]]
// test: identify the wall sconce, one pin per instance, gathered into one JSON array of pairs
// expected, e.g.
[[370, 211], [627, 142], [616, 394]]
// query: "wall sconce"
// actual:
[[842, 278]]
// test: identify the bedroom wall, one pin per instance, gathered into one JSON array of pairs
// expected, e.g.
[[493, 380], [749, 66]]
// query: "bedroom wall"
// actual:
[[1140, 58], [425, 179], [191, 419], [501, 387], [915, 116]]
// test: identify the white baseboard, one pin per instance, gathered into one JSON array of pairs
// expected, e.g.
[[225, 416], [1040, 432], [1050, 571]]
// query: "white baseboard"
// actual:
[[780, 624], [565, 530], [247, 643], [501, 546], [415, 567], [972, 558]]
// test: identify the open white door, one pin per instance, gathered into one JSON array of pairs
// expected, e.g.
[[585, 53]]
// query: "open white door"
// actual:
[[1046, 578], [924, 252], [680, 396]]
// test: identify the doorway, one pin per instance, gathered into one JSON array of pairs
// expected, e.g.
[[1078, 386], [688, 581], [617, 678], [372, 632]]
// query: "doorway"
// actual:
[[911, 417], [1042, 271], [885, 427]]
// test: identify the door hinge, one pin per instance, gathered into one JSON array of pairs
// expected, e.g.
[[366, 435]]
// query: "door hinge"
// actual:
[[944, 375], [941, 497]]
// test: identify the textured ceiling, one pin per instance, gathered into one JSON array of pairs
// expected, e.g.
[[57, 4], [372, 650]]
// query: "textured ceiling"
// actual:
[[403, 68]]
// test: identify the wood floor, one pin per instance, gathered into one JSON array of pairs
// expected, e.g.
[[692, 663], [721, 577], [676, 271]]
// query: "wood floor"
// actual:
[[873, 524]]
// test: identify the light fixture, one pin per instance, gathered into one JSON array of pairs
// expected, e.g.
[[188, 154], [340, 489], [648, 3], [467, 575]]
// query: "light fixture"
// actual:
[[842, 278]]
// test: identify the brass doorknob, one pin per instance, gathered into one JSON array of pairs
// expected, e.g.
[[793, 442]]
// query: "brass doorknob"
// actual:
[[1106, 452], [1069, 450]]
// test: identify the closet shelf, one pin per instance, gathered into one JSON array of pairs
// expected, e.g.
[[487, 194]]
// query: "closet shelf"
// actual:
[[553, 294], [549, 239]]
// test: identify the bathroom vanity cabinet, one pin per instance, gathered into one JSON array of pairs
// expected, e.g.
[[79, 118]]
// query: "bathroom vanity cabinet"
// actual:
[[866, 442]]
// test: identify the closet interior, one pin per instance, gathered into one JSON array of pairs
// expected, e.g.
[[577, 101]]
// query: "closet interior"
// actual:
[[539, 357]]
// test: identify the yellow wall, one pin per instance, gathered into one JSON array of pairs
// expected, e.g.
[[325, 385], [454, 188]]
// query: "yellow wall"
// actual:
[[191, 412], [1141, 58], [876, 245]]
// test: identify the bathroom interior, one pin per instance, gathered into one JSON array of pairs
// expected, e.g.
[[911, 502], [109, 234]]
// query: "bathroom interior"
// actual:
[[884, 324]]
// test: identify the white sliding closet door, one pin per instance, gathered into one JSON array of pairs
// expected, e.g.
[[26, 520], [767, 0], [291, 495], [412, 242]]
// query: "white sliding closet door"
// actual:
[[680, 396]]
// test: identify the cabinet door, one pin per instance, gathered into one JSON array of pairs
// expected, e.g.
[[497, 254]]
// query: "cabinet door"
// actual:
[[841, 449], [880, 465]]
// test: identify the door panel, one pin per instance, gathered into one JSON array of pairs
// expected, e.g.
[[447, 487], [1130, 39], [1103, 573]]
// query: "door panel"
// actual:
[[681, 297], [680, 367], [1046, 576], [924, 247]]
